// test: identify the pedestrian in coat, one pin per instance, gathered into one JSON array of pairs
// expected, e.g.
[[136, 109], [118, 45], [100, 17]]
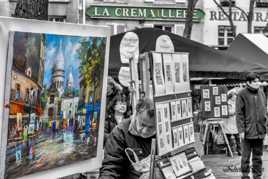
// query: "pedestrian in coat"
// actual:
[[251, 121]]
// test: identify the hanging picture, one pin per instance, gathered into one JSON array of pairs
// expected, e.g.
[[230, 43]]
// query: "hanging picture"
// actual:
[[180, 138], [186, 134], [206, 94], [215, 90], [48, 90], [217, 100], [184, 108], [181, 68], [179, 115], [168, 69], [217, 111], [189, 106], [224, 110], [158, 75], [173, 108], [207, 106], [191, 133], [224, 97], [175, 137]]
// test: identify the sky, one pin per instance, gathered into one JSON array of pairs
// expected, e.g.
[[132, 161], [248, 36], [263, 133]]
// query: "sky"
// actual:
[[70, 45]]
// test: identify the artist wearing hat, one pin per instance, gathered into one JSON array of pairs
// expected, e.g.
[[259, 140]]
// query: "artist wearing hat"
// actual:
[[129, 145]]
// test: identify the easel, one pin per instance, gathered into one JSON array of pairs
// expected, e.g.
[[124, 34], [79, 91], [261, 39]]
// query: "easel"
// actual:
[[219, 122]]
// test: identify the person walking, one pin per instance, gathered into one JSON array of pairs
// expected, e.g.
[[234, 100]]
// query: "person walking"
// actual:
[[251, 122], [229, 124]]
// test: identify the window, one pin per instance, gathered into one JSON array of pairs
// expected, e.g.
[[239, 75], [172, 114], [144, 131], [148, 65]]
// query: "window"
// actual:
[[258, 29], [262, 3], [118, 28], [57, 18], [225, 36], [169, 28], [225, 3]]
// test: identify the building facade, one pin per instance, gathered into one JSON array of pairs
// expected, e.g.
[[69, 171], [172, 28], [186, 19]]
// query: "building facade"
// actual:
[[58, 10], [124, 15], [217, 30]]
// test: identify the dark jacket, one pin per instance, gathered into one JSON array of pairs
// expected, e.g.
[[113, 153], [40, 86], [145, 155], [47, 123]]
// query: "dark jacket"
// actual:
[[251, 113], [116, 164]]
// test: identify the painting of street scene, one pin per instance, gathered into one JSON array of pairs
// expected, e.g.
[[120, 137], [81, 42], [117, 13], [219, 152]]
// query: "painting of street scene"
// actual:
[[55, 100]]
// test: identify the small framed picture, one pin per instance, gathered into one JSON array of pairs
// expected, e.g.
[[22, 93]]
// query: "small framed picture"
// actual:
[[217, 112], [217, 100], [207, 106], [215, 90], [178, 103], [162, 144], [191, 132], [160, 129], [180, 136], [206, 93], [224, 97], [167, 126], [159, 116], [224, 110], [189, 105], [180, 164], [173, 111], [184, 109], [175, 137], [186, 134], [168, 172]]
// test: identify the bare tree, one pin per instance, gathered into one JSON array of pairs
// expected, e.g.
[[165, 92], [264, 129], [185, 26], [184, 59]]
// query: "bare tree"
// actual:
[[32, 9], [189, 18], [229, 15]]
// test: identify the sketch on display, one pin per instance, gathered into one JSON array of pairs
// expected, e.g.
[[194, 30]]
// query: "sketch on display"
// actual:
[[215, 90], [217, 111], [168, 68], [207, 106], [55, 100], [180, 164], [158, 74], [224, 97], [173, 110], [206, 94]]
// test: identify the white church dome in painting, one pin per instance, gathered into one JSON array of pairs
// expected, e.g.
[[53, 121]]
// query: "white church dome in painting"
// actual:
[[59, 64]]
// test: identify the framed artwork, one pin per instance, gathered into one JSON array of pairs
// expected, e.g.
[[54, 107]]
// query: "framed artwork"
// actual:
[[217, 100], [168, 68], [181, 68], [179, 113], [217, 111], [215, 90], [175, 137], [186, 134], [191, 133], [206, 94], [168, 172], [224, 97], [189, 106], [224, 110], [158, 77], [180, 164], [173, 108], [207, 106], [180, 138], [46, 89], [184, 108]]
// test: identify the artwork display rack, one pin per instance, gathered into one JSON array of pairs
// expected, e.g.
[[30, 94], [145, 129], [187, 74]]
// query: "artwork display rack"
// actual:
[[165, 78]]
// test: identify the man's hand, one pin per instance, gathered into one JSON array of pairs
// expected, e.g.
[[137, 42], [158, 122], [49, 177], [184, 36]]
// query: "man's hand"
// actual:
[[242, 135]]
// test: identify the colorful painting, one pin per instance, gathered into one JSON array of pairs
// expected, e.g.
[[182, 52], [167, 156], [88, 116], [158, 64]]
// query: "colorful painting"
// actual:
[[55, 100]]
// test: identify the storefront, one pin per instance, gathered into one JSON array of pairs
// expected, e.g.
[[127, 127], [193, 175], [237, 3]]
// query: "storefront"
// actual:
[[217, 29], [128, 16]]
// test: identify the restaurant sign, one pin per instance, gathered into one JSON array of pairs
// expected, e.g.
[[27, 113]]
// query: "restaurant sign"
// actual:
[[142, 13]]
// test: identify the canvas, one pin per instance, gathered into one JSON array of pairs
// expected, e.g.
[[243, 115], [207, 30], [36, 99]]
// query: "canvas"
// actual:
[[54, 100]]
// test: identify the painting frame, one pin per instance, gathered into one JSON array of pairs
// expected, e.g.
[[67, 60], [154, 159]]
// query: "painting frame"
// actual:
[[7, 25]]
